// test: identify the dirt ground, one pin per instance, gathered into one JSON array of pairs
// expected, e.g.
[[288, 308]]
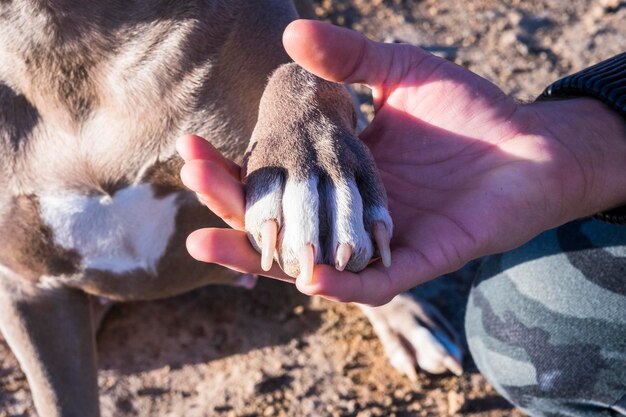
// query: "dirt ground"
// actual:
[[272, 352]]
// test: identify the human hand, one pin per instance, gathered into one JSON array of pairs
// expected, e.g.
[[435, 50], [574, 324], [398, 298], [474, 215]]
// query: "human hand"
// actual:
[[468, 171]]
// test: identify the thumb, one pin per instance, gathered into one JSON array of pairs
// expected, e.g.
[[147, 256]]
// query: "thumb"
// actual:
[[342, 55]]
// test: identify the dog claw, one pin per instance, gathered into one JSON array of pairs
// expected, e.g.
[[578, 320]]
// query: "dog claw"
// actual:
[[382, 238], [344, 252], [307, 260], [269, 232], [453, 365]]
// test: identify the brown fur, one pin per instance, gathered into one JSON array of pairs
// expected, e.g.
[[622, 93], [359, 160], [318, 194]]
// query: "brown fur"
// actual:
[[28, 246], [92, 97], [164, 177], [64, 127]]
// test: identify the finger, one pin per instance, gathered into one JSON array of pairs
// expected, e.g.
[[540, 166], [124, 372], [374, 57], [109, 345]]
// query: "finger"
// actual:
[[369, 286], [375, 285], [219, 191], [232, 249], [342, 55], [191, 147]]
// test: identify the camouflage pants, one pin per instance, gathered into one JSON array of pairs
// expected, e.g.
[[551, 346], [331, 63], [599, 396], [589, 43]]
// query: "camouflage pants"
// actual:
[[546, 323]]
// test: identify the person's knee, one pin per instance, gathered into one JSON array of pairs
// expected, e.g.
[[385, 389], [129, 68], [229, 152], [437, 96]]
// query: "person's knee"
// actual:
[[504, 363], [536, 339]]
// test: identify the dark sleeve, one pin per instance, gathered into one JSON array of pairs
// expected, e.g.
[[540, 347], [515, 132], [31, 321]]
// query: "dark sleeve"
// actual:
[[605, 81]]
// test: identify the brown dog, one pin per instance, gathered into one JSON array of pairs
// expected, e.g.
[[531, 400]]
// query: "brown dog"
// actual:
[[92, 97]]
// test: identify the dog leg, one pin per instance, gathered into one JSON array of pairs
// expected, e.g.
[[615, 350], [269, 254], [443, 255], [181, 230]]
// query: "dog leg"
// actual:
[[313, 194], [50, 333], [414, 333]]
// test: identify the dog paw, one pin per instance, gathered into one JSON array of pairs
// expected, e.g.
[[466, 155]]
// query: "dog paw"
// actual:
[[414, 334], [313, 194]]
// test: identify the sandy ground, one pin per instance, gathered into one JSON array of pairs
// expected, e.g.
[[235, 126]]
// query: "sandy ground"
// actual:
[[272, 352]]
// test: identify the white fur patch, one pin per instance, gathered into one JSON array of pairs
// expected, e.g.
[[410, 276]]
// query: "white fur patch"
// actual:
[[346, 210], [300, 218], [126, 232], [265, 208]]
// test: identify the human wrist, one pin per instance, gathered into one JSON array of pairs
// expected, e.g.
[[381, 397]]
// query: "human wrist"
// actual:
[[589, 141]]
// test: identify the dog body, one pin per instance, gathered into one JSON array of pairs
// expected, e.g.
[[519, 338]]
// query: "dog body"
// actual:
[[90, 113], [92, 97]]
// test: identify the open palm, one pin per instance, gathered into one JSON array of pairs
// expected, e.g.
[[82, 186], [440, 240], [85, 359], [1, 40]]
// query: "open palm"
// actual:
[[468, 171]]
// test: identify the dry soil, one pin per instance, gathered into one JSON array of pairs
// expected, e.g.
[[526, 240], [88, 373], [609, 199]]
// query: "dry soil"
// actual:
[[272, 352]]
